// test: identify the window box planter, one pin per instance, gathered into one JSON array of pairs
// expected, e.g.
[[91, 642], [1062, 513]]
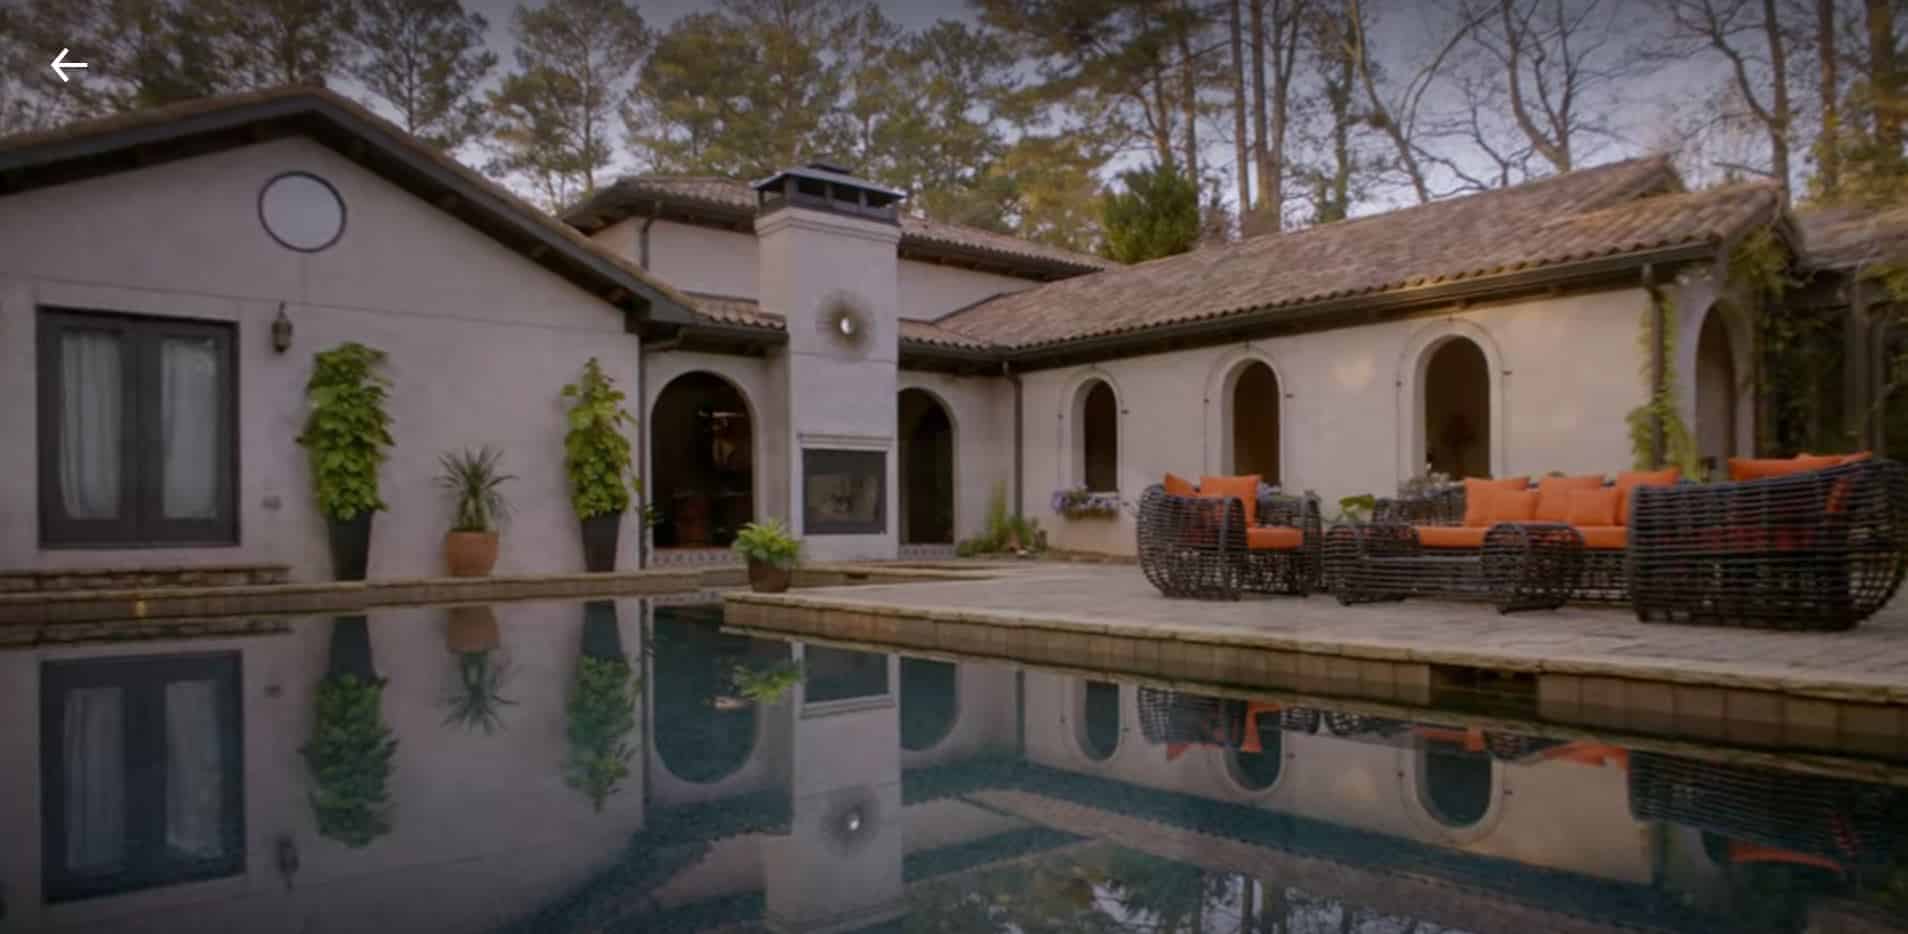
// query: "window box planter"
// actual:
[[1081, 503]]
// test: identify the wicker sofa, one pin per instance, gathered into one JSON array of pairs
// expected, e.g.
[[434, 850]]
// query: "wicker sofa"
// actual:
[[1228, 539]]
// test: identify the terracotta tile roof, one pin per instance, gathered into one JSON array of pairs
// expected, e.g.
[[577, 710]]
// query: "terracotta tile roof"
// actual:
[[744, 312], [1626, 207], [37, 149], [734, 199], [1843, 238]]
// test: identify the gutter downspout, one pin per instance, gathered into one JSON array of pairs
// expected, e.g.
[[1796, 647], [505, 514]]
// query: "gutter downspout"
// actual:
[[642, 432], [1006, 370]]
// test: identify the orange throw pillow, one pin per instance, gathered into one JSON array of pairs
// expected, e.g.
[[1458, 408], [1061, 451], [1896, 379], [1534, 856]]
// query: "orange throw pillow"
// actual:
[[1177, 485], [1553, 495], [1246, 488], [1630, 480], [1745, 468], [1477, 509], [1513, 505], [1594, 507]]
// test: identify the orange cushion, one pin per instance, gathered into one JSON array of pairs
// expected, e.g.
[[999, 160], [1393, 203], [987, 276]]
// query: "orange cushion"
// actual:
[[1177, 485], [1605, 537], [1451, 536], [1857, 457], [1594, 507], [1245, 489], [1477, 509], [1274, 538], [1513, 505], [1745, 468], [1553, 495], [1631, 479]]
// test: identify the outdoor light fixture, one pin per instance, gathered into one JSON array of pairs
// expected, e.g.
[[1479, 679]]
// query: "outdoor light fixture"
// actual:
[[281, 330], [844, 320], [846, 324], [852, 822]]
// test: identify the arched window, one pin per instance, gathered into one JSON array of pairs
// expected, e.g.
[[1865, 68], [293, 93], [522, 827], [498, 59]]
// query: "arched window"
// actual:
[[1457, 409], [1097, 725], [1099, 433], [1715, 392], [929, 704], [1255, 422], [1257, 771], [1455, 784]]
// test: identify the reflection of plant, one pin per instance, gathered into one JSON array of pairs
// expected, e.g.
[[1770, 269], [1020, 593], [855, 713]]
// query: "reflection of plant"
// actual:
[[347, 431], [596, 453], [602, 714], [350, 759], [472, 480], [479, 694], [768, 542], [766, 685]]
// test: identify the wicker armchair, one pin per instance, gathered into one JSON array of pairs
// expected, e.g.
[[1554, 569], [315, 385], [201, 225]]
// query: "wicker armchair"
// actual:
[[1815, 550], [1853, 823], [1194, 546]]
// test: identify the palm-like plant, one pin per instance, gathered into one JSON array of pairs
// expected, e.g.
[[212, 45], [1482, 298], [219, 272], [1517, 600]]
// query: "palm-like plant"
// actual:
[[474, 482]]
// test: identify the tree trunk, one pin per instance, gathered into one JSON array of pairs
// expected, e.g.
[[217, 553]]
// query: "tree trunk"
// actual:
[[1189, 96], [1828, 147], [1259, 156], [1285, 38], [1242, 160], [1163, 126], [1779, 76], [1883, 78], [1359, 56]]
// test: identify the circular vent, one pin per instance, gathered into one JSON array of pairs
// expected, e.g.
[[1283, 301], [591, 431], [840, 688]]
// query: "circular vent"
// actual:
[[301, 211]]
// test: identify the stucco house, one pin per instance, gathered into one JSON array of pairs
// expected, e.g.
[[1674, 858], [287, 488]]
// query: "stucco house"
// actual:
[[796, 347]]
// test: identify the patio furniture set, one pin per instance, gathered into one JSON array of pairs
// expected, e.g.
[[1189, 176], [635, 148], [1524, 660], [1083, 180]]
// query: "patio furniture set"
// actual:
[[1811, 542]]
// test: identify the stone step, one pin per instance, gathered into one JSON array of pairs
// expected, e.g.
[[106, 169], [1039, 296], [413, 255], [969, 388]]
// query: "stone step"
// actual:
[[147, 578]]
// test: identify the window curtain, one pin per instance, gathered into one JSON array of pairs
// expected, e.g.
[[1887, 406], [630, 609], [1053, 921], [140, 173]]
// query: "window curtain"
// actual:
[[90, 424], [95, 747], [189, 424], [195, 779]]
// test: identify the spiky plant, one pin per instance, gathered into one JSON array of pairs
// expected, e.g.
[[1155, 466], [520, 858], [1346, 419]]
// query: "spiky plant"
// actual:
[[477, 700], [474, 482]]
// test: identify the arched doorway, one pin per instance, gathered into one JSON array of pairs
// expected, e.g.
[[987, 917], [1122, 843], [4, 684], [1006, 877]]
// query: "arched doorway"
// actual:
[[1258, 771], [702, 462], [1715, 392], [705, 729], [1457, 409], [929, 702], [1255, 422], [1455, 784], [927, 469], [1098, 436], [1097, 720]]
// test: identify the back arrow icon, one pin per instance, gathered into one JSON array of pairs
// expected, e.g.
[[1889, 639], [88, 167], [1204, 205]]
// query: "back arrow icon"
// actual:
[[60, 64]]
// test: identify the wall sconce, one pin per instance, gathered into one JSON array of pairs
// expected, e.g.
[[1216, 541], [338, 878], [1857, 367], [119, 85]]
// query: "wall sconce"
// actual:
[[281, 331]]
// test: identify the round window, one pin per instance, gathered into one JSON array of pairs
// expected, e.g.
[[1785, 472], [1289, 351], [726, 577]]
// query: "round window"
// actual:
[[302, 212]]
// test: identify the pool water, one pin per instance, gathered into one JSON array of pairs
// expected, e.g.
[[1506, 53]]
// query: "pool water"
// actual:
[[628, 765]]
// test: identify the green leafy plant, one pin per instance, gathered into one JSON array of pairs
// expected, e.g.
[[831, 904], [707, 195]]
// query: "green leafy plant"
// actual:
[[1356, 508], [477, 700], [602, 714], [347, 431], [596, 453], [1004, 531], [768, 542], [350, 758], [474, 484], [1661, 409], [766, 685]]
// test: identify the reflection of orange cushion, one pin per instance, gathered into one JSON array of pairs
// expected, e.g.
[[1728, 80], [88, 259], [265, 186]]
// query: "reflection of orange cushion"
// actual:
[[1477, 510], [1630, 480], [1274, 538], [1177, 485], [1605, 537], [1745, 468], [1593, 507], [1451, 536], [1245, 489], [1742, 851], [1513, 505], [1553, 495]]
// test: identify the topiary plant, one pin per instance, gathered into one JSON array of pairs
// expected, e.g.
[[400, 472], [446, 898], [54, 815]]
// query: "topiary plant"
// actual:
[[350, 759], [596, 454], [347, 431]]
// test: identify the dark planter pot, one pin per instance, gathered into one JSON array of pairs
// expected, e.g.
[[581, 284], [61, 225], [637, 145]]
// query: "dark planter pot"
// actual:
[[350, 546], [351, 649], [601, 636], [599, 542], [769, 578]]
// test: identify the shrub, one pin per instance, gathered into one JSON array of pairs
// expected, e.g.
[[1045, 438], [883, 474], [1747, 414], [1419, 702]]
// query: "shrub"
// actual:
[[347, 430], [596, 454]]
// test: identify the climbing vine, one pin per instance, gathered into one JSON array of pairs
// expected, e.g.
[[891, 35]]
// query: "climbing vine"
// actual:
[[1679, 443], [1801, 349]]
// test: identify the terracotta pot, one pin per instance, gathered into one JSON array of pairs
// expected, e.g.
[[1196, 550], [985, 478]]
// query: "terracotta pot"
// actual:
[[768, 578], [470, 554], [472, 629]]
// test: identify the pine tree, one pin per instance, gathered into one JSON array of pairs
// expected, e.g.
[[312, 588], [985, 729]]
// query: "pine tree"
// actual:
[[1157, 214], [426, 59]]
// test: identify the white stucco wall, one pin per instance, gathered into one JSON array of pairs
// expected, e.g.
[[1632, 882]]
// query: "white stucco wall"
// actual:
[[698, 259], [1564, 374], [762, 386], [480, 340], [930, 290], [982, 411], [484, 828]]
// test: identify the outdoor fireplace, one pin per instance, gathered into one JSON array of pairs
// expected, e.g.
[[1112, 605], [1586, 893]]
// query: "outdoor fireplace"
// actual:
[[844, 492]]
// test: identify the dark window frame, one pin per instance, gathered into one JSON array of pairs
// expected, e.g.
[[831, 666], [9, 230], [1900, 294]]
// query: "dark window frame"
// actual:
[[140, 523], [819, 460], [143, 679]]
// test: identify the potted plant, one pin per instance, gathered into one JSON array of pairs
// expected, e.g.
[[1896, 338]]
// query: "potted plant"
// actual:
[[351, 750], [347, 433], [477, 507], [771, 553], [1078, 502], [596, 456], [602, 709], [477, 698]]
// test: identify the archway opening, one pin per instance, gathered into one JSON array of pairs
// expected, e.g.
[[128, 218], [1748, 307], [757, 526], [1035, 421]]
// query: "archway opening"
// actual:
[[1099, 418], [1258, 771], [1099, 720], [705, 729], [1456, 784], [703, 462], [927, 469], [1457, 410], [1255, 423], [1715, 392], [928, 702]]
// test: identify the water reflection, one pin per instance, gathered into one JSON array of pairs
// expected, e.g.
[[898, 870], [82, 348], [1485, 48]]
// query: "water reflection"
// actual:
[[620, 766]]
